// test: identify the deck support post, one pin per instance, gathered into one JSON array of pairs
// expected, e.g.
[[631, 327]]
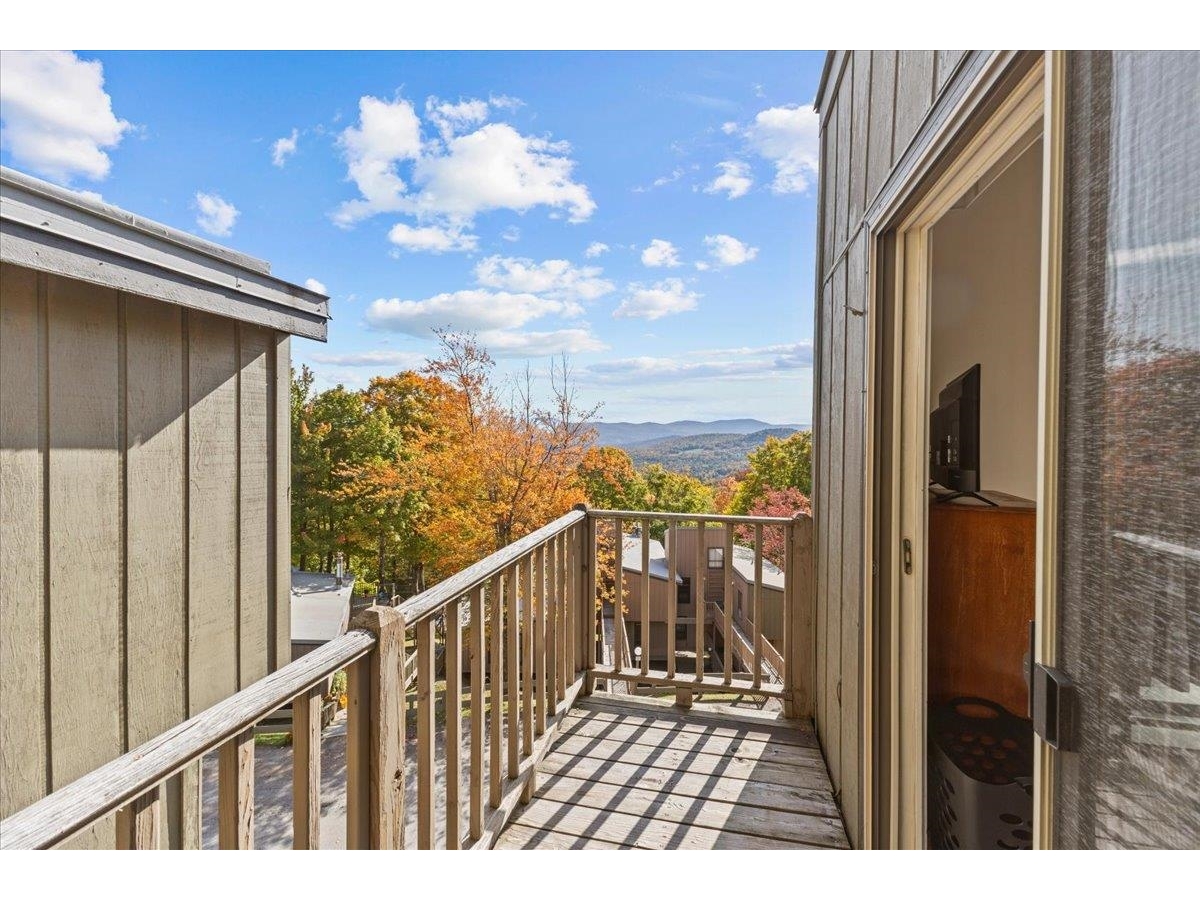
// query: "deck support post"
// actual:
[[683, 697], [375, 736]]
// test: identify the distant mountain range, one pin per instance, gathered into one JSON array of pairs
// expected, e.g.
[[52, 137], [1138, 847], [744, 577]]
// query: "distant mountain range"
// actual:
[[630, 434], [709, 457]]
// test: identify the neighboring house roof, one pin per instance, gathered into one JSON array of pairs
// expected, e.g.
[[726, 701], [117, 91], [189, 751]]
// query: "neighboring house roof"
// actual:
[[743, 564], [631, 558], [53, 229], [320, 609]]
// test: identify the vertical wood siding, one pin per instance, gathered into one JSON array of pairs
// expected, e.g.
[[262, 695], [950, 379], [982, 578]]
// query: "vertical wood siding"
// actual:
[[871, 111], [144, 467]]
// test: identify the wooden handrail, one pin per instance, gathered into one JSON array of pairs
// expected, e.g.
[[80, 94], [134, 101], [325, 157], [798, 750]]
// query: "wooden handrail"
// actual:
[[67, 811], [430, 602], [539, 593], [713, 518]]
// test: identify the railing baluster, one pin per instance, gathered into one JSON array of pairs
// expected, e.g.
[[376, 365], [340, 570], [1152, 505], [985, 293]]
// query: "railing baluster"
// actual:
[[477, 711], [672, 600], [496, 688], [618, 648], [757, 625], [560, 615], [727, 592], [426, 702], [645, 636], [306, 770], [512, 626], [375, 736], [589, 611], [139, 822], [539, 634], [551, 628], [453, 624], [571, 604], [527, 653], [699, 595], [235, 792]]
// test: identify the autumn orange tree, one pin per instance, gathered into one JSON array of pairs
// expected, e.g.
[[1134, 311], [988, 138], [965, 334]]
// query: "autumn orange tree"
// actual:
[[423, 473]]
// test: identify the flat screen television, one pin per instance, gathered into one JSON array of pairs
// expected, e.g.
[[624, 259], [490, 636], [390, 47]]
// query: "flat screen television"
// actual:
[[954, 437]]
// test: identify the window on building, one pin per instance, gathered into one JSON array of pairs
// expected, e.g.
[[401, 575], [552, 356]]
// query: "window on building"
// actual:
[[716, 557], [683, 594], [680, 634]]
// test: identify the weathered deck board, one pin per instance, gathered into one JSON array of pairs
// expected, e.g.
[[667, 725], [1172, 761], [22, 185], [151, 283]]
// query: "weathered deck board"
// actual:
[[695, 742], [632, 774]]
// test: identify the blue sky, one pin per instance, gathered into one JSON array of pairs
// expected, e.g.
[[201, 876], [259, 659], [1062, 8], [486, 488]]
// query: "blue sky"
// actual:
[[651, 214]]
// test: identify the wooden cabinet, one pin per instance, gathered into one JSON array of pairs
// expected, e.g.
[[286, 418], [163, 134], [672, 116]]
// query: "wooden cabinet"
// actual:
[[981, 585]]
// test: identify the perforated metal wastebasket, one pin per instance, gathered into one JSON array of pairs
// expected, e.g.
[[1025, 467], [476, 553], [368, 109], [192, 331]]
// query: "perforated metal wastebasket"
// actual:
[[980, 777]]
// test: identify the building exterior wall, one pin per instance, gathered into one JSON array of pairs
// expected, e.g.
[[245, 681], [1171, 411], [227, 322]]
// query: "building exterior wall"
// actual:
[[144, 526], [872, 106]]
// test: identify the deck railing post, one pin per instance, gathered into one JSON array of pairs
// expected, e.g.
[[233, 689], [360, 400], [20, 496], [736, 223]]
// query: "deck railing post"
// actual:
[[587, 601], [798, 662], [375, 736]]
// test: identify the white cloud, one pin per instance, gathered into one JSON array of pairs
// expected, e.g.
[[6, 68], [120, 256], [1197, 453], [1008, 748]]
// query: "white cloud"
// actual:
[[726, 250], [731, 363], [655, 301], [729, 127], [215, 215], [467, 310], [455, 177], [541, 343], [789, 137], [512, 234], [284, 148], [555, 278], [660, 253], [55, 117], [503, 101], [496, 167], [313, 285], [594, 249], [431, 238], [663, 180], [452, 118], [386, 134], [399, 358], [734, 180]]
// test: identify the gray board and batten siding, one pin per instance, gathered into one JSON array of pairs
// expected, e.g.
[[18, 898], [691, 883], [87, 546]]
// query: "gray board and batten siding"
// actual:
[[144, 485], [881, 116]]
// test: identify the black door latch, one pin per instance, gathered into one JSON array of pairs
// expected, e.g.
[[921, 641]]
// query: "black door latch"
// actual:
[[1055, 703]]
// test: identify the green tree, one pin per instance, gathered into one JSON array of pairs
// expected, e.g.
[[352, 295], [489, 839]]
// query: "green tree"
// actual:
[[610, 480], [775, 466], [335, 440]]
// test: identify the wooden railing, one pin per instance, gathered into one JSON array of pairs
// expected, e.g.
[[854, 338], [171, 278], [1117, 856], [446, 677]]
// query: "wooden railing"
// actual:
[[523, 622], [791, 662]]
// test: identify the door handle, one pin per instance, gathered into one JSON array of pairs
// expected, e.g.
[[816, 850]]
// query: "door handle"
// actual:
[[1055, 703]]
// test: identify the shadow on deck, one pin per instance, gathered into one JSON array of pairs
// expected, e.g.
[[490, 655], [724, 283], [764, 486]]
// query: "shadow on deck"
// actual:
[[632, 772]]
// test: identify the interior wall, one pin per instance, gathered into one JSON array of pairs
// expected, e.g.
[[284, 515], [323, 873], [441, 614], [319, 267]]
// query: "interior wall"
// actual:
[[985, 289]]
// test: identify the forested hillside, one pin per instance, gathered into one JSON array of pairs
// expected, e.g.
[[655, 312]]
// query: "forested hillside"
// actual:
[[707, 456]]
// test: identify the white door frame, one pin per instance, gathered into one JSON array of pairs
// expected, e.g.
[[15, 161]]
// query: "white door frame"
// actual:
[[1018, 113]]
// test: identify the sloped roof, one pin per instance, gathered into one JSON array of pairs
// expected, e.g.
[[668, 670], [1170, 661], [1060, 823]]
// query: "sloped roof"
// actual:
[[60, 231], [631, 558]]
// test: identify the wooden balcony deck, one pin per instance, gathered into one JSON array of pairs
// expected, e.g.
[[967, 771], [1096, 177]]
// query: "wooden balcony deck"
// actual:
[[634, 773]]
